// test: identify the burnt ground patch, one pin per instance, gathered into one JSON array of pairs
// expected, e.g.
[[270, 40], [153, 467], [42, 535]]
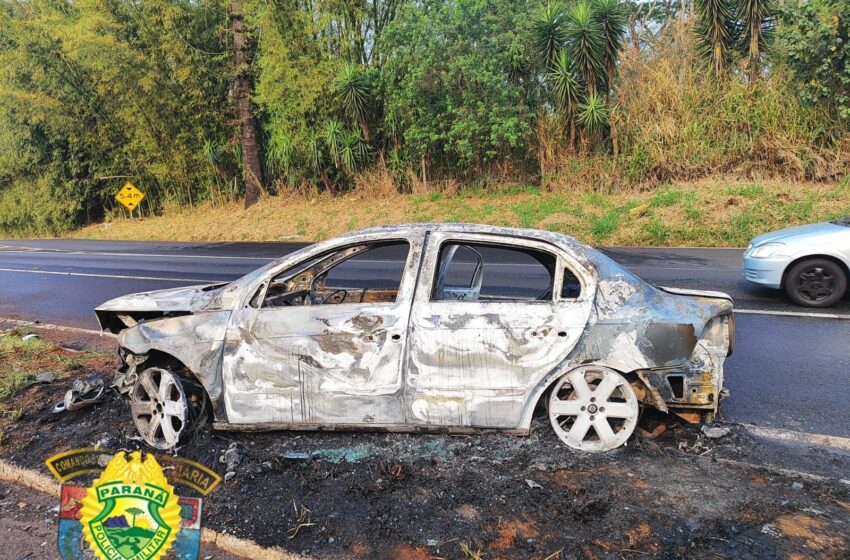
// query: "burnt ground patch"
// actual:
[[402, 496]]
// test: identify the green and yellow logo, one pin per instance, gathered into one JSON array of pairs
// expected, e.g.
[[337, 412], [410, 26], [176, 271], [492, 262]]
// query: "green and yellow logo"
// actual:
[[131, 511]]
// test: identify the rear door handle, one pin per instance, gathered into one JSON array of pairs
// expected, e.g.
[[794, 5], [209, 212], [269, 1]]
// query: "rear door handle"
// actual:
[[396, 336]]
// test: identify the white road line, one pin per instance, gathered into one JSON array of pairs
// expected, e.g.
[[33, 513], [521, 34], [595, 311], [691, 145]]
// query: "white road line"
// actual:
[[36, 251], [804, 438], [792, 314], [120, 276]]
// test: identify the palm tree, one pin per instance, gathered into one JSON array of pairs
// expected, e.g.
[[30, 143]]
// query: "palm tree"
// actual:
[[548, 33], [134, 511], [612, 17], [585, 45], [716, 29], [356, 95], [566, 89], [755, 17]]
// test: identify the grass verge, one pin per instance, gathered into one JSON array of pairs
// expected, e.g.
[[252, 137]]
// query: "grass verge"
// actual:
[[711, 213], [21, 361]]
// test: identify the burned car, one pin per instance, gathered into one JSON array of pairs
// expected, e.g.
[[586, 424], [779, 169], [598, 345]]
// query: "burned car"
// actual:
[[423, 327]]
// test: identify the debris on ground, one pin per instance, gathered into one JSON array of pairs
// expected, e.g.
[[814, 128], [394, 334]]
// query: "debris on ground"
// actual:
[[715, 432], [349, 455], [83, 393], [45, 378], [30, 336]]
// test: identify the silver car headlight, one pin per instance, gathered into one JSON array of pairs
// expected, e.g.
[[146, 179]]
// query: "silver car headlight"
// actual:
[[768, 250]]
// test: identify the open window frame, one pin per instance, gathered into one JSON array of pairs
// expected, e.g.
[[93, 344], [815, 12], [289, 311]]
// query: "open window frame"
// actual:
[[562, 262]]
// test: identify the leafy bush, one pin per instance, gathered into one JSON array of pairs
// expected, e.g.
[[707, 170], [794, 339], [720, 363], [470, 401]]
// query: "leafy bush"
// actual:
[[813, 40]]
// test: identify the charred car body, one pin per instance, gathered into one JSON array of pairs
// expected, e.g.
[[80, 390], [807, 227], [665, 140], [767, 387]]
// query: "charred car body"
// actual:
[[423, 327]]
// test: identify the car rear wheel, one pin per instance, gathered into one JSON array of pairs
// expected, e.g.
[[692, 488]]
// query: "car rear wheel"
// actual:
[[593, 408], [816, 283], [159, 407]]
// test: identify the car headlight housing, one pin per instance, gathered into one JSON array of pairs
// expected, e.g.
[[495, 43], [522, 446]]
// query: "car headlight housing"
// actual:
[[768, 250]]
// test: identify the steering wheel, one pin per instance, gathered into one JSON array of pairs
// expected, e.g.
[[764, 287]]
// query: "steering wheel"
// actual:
[[332, 294]]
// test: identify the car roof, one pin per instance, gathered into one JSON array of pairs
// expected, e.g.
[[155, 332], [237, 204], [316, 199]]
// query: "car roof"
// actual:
[[452, 227]]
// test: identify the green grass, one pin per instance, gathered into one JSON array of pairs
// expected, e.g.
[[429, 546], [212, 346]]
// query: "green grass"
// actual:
[[22, 360], [667, 197], [747, 191], [602, 227]]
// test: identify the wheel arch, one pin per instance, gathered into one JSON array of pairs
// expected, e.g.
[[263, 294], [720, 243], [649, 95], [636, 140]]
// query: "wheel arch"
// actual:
[[544, 388], [164, 360]]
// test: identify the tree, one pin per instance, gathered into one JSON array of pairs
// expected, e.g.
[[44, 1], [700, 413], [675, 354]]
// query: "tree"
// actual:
[[134, 511], [813, 41], [585, 44], [449, 89], [243, 89], [356, 96], [548, 33], [566, 90], [716, 31], [756, 20], [612, 17]]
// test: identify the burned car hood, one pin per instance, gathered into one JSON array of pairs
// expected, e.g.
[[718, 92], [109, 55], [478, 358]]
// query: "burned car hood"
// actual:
[[189, 299], [127, 311]]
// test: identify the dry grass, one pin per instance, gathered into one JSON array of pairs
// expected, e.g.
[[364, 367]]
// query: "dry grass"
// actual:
[[701, 213]]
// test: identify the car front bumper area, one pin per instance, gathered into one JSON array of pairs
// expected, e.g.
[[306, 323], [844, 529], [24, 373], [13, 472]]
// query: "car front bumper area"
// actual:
[[765, 272]]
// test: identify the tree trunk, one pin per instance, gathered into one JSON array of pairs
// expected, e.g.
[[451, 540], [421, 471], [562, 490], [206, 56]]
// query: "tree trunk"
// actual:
[[754, 52], [252, 169]]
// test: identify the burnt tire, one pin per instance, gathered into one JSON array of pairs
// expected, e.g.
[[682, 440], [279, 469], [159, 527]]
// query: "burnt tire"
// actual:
[[816, 283]]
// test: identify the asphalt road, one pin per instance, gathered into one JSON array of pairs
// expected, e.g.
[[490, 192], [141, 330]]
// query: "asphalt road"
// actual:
[[791, 367]]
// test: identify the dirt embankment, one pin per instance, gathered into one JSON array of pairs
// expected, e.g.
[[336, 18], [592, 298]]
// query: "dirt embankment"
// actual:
[[397, 496]]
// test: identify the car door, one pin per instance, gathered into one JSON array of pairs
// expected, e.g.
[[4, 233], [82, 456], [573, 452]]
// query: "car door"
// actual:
[[316, 356], [491, 316]]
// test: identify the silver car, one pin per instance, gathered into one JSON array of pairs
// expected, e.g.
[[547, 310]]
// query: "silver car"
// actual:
[[423, 327], [812, 263]]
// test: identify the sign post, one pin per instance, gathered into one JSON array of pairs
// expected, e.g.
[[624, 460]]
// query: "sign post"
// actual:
[[130, 197]]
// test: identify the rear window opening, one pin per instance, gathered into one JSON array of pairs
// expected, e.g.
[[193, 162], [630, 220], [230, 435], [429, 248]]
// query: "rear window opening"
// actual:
[[484, 272]]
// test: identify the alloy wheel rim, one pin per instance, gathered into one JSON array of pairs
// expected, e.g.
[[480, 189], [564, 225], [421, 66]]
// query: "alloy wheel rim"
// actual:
[[159, 407], [593, 409]]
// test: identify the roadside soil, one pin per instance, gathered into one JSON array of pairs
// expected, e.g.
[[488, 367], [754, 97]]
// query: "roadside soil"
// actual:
[[489, 496]]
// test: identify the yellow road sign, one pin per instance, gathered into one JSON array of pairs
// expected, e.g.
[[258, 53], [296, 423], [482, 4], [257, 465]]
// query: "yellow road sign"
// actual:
[[130, 196]]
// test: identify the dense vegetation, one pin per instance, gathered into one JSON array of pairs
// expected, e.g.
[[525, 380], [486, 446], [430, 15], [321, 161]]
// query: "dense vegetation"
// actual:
[[211, 100]]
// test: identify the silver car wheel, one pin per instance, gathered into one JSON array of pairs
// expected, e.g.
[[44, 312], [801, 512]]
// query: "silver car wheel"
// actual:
[[159, 407], [593, 409]]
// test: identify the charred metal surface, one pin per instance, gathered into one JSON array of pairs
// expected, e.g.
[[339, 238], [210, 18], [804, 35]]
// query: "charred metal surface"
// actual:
[[398, 360]]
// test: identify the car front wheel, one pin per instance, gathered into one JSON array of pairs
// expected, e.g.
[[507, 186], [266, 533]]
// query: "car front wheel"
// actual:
[[816, 283], [159, 407]]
